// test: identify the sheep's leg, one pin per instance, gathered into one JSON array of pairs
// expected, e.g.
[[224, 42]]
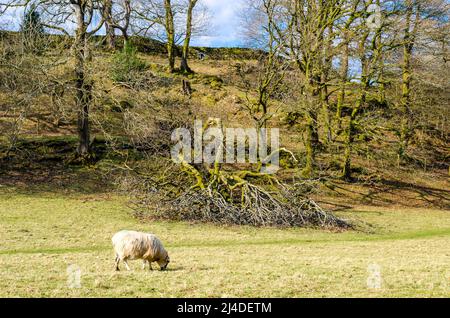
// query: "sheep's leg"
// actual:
[[117, 263], [150, 265], [126, 264], [143, 264]]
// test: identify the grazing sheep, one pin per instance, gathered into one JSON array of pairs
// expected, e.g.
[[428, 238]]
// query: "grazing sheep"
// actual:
[[131, 245]]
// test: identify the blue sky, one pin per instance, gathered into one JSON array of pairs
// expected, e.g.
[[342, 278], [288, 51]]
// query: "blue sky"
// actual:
[[223, 29]]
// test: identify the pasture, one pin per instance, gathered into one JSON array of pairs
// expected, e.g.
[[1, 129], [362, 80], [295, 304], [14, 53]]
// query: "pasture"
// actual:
[[42, 234]]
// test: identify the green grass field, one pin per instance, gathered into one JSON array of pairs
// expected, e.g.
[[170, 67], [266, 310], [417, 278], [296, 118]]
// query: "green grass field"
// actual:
[[42, 234]]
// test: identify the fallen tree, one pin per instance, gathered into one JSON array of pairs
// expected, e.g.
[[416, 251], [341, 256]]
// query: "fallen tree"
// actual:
[[222, 193], [257, 207], [227, 197]]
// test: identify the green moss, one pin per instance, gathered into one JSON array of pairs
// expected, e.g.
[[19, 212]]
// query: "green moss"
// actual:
[[216, 84]]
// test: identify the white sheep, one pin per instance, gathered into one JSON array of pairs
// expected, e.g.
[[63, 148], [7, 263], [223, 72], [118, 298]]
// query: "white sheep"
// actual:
[[131, 245]]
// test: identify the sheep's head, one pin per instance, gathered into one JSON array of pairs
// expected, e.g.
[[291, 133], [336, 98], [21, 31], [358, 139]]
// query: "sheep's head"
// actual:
[[163, 262]]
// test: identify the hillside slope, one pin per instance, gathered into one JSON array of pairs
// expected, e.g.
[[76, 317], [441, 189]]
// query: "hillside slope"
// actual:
[[42, 135]]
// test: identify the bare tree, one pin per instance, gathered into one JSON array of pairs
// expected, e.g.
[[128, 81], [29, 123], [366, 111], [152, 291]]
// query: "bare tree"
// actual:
[[272, 67], [309, 22], [110, 37], [117, 15], [412, 19], [153, 16], [419, 18], [196, 16], [188, 35], [58, 15], [345, 36], [173, 21], [170, 30]]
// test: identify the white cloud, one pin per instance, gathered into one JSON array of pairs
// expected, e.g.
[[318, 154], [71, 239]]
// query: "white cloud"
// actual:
[[224, 26]]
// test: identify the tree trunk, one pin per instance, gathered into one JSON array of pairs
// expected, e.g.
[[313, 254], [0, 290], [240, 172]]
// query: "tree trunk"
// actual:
[[83, 122], [310, 143], [382, 88], [312, 134], [170, 29], [326, 114], [325, 73], [126, 24], [326, 106], [185, 54], [126, 42], [405, 103], [363, 87], [110, 34], [347, 170], [184, 62], [381, 64], [83, 88], [343, 83]]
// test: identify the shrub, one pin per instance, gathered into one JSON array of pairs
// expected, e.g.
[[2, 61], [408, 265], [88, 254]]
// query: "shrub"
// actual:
[[127, 66]]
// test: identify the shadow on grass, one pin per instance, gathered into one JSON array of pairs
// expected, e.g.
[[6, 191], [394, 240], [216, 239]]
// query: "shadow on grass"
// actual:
[[177, 269], [135, 270], [38, 165], [392, 192], [428, 196]]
